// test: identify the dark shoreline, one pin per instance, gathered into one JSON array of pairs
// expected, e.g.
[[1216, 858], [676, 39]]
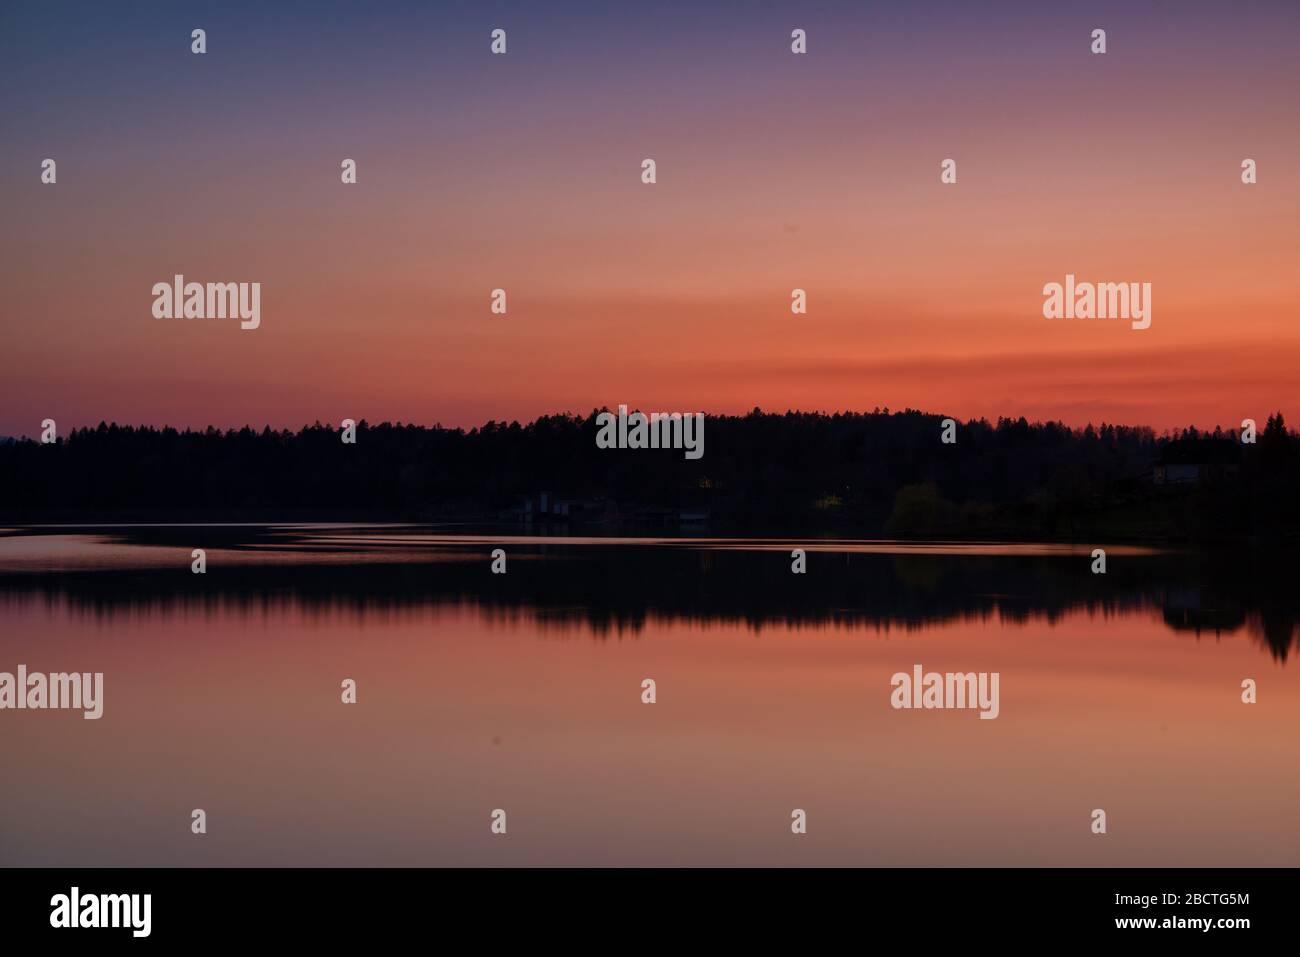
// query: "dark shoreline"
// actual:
[[77, 520], [898, 475]]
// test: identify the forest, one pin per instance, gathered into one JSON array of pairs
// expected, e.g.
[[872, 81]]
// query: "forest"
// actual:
[[877, 473]]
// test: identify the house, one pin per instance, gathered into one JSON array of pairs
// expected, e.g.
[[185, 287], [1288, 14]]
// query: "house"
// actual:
[[1197, 462], [545, 507]]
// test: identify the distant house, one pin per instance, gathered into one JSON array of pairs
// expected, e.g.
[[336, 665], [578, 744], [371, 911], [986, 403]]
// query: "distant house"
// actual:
[[545, 507], [1197, 462]]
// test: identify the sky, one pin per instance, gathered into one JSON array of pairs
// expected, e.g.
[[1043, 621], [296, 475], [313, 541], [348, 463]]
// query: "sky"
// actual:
[[523, 172]]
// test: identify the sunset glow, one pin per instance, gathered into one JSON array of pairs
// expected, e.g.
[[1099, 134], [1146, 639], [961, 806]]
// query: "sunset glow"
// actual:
[[775, 172]]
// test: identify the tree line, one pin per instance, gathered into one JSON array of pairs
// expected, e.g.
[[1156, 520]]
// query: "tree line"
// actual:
[[870, 473]]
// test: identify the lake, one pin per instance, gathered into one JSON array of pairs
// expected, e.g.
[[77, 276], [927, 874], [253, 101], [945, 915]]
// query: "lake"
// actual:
[[523, 692]]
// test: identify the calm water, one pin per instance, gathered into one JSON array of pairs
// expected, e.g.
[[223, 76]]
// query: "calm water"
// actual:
[[522, 692]]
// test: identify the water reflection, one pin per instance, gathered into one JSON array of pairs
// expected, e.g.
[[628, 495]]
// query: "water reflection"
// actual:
[[616, 586], [476, 692]]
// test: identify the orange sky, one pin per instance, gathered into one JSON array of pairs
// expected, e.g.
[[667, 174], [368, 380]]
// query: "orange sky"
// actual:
[[774, 173]]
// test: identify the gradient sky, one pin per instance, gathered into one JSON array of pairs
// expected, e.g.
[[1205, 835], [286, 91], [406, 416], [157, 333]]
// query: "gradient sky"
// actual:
[[775, 171]]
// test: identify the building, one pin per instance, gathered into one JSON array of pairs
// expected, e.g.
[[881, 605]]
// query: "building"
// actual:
[[1197, 462]]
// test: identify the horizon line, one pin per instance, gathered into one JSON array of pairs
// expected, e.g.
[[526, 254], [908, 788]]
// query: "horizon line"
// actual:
[[881, 411]]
